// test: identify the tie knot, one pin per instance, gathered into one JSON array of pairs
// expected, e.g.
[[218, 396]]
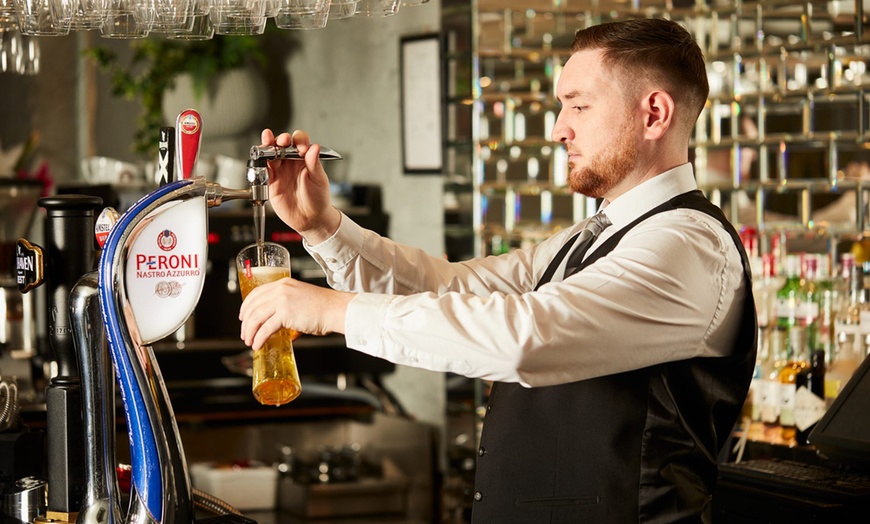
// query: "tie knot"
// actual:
[[598, 223]]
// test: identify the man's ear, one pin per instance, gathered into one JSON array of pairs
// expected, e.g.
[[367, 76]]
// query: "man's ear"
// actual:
[[658, 108]]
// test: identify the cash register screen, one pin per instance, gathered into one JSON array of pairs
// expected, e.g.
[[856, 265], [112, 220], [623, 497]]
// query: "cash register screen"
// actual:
[[843, 434]]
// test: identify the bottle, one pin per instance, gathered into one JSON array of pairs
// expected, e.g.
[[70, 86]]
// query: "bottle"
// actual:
[[798, 345], [848, 351], [764, 291], [809, 301], [809, 400], [841, 282], [788, 296], [776, 359], [828, 300], [863, 314]]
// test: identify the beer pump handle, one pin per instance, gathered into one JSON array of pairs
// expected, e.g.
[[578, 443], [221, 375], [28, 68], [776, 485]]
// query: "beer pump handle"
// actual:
[[104, 224], [165, 172], [29, 265], [188, 134], [69, 254]]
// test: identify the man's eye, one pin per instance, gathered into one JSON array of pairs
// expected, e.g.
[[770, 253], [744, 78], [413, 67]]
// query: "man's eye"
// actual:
[[580, 109]]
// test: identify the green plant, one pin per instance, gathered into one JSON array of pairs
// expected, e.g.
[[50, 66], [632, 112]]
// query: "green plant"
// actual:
[[157, 61]]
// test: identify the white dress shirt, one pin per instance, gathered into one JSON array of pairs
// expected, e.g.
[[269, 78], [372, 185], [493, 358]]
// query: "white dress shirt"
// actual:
[[672, 289]]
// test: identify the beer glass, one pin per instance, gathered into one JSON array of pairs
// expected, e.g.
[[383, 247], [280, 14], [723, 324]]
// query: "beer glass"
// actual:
[[275, 377]]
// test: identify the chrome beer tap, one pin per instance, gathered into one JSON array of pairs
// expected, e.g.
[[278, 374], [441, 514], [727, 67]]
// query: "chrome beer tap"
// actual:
[[69, 254], [100, 502], [153, 260]]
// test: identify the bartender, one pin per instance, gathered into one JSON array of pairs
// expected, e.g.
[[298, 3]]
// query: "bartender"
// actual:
[[621, 348]]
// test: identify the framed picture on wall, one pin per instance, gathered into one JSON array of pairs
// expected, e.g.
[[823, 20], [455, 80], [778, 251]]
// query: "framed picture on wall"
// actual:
[[420, 66]]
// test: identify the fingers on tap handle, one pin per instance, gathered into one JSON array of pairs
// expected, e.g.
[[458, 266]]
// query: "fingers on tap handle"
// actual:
[[188, 133]]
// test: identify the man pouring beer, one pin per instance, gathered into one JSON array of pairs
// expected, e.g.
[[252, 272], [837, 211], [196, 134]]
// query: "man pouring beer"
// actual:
[[620, 349]]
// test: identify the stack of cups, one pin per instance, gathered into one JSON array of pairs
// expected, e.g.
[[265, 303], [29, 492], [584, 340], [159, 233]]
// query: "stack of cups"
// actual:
[[86, 14], [127, 19], [339, 9], [377, 8], [170, 16], [302, 14], [177, 19], [238, 17], [44, 17], [201, 27]]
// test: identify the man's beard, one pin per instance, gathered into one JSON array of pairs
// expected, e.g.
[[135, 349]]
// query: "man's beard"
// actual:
[[607, 169]]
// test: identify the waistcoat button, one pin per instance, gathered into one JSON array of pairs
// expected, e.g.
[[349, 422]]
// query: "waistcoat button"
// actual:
[[478, 496], [481, 451]]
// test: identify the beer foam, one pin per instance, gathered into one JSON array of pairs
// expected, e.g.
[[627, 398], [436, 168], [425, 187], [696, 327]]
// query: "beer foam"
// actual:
[[269, 272], [259, 276]]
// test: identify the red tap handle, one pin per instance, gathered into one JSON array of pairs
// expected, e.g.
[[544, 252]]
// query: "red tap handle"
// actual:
[[188, 133]]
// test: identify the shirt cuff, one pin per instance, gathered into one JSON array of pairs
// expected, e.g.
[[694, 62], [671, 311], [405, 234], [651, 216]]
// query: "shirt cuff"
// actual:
[[337, 251], [364, 321]]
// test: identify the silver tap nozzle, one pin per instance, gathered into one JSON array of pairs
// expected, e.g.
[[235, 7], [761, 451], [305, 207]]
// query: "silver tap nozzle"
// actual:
[[257, 175]]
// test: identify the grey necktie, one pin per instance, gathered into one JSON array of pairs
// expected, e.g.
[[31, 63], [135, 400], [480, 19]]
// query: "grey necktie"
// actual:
[[593, 228]]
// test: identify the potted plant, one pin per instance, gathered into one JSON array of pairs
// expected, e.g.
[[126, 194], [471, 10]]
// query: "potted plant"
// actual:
[[156, 64]]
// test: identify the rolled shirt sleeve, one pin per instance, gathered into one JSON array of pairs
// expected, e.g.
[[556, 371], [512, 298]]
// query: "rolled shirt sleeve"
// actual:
[[672, 289]]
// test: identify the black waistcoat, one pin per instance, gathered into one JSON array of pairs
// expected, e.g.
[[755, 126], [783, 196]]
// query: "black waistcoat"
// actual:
[[639, 446]]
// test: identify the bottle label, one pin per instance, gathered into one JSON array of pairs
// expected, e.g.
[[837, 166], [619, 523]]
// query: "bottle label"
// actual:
[[807, 311], [770, 401], [832, 388], [808, 408], [847, 330], [786, 404], [864, 323], [756, 396], [786, 308]]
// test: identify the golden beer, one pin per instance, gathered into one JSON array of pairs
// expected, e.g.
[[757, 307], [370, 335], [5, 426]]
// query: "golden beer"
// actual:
[[275, 377]]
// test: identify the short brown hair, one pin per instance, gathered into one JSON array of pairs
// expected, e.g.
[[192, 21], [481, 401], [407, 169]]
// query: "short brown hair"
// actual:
[[660, 50]]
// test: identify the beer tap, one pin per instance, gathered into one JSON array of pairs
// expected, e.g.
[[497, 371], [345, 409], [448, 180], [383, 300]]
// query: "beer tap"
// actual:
[[153, 260], [68, 255], [100, 501]]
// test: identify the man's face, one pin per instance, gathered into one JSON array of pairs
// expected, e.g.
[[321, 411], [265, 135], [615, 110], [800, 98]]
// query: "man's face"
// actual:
[[597, 125]]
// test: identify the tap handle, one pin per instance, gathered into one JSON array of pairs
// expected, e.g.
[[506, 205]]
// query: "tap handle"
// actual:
[[29, 265], [105, 222], [189, 126], [289, 153], [165, 156]]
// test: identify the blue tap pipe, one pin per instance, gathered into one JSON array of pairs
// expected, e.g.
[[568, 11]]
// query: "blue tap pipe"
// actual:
[[145, 459]]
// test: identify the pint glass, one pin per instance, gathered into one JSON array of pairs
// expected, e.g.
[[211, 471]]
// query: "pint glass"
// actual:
[[275, 377]]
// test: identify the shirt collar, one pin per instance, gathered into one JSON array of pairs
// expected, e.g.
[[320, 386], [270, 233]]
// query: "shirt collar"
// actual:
[[651, 193]]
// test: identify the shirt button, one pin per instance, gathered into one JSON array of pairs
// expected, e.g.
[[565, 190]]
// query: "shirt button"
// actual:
[[481, 451], [331, 260], [478, 496]]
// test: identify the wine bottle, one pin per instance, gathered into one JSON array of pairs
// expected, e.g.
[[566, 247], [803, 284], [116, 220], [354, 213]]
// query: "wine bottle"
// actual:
[[809, 402]]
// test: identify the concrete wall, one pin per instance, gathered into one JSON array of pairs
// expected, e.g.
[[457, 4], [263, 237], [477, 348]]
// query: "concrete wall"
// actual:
[[344, 85]]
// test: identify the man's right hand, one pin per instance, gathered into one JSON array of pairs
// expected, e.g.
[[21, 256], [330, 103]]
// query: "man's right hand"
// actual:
[[299, 189]]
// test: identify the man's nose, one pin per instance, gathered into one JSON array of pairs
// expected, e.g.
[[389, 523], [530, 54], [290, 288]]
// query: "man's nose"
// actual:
[[561, 132]]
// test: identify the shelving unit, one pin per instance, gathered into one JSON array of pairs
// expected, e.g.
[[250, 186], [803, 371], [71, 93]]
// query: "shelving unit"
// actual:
[[797, 70]]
